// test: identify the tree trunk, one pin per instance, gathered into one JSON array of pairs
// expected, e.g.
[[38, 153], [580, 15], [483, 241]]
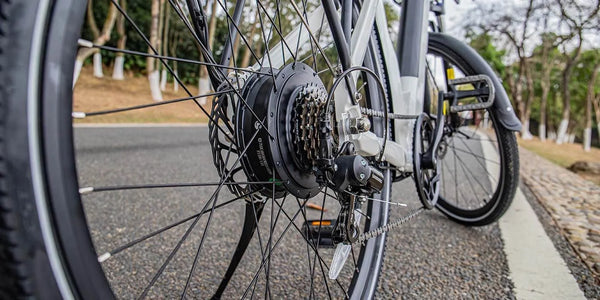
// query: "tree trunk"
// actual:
[[525, 133], [163, 79], [91, 21], [566, 93], [120, 58], [204, 85], [165, 51], [596, 103], [104, 36], [98, 65], [235, 51], [545, 85], [587, 133], [175, 82], [247, 54], [152, 73], [173, 52]]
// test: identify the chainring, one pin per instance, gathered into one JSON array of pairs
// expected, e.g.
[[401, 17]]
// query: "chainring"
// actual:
[[427, 180]]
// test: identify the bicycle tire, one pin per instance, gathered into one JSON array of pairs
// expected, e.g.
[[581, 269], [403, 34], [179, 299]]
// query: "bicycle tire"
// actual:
[[464, 58]]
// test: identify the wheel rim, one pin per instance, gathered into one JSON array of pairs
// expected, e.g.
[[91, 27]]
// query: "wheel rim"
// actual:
[[472, 164]]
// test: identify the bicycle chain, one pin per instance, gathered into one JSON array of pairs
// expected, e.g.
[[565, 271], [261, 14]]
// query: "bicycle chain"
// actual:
[[381, 114], [385, 228]]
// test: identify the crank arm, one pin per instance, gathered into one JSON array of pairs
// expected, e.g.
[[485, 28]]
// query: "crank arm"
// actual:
[[430, 158]]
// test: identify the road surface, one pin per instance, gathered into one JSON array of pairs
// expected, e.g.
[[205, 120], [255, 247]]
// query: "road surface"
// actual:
[[428, 257]]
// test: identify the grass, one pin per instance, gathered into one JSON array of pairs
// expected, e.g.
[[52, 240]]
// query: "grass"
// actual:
[[94, 94], [563, 155]]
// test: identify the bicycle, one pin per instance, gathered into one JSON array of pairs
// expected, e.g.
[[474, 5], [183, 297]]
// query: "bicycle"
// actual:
[[329, 110]]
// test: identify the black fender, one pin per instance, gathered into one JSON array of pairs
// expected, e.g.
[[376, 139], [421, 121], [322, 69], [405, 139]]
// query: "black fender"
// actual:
[[502, 107]]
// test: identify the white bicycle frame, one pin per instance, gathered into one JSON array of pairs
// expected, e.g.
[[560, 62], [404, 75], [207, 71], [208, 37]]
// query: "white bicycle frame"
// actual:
[[406, 91]]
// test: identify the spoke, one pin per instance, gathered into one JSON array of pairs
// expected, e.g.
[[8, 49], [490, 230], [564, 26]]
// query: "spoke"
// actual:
[[179, 10], [314, 246], [89, 44], [327, 69], [463, 164], [318, 239], [81, 115], [163, 61], [87, 190], [184, 237], [260, 240], [312, 36], [230, 22], [464, 169], [274, 26], [270, 253], [473, 154], [171, 255], [241, 98], [321, 260], [265, 41], [313, 55], [202, 239], [115, 251], [472, 137], [455, 174]]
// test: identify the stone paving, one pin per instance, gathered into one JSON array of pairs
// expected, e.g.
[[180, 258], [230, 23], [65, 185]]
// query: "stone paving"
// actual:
[[573, 202]]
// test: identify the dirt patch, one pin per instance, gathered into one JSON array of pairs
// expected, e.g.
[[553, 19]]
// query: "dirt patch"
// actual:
[[95, 94], [564, 155]]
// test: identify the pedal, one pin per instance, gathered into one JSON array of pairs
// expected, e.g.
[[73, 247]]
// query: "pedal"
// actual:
[[483, 90], [320, 232]]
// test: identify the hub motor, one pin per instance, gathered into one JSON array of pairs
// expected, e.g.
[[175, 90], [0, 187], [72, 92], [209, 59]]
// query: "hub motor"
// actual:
[[288, 150]]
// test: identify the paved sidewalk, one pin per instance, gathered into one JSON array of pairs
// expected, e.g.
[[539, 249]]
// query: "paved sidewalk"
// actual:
[[573, 202]]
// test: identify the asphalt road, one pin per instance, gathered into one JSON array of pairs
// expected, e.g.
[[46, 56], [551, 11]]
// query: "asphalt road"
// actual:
[[430, 257]]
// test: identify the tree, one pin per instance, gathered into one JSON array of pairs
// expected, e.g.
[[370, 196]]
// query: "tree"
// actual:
[[203, 82], [100, 38], [514, 23], [151, 70], [165, 48], [120, 58], [546, 56], [590, 96], [251, 41], [596, 102], [484, 45], [577, 17]]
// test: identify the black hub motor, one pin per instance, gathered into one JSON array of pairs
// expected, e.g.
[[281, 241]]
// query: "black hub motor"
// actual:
[[286, 151]]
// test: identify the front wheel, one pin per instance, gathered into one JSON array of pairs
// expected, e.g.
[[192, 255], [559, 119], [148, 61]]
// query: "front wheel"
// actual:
[[478, 155]]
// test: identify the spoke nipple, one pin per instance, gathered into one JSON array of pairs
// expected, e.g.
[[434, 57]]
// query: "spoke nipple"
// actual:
[[85, 43], [78, 115], [86, 190], [103, 257]]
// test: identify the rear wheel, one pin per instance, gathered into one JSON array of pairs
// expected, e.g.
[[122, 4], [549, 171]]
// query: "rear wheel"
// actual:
[[479, 156], [99, 213]]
